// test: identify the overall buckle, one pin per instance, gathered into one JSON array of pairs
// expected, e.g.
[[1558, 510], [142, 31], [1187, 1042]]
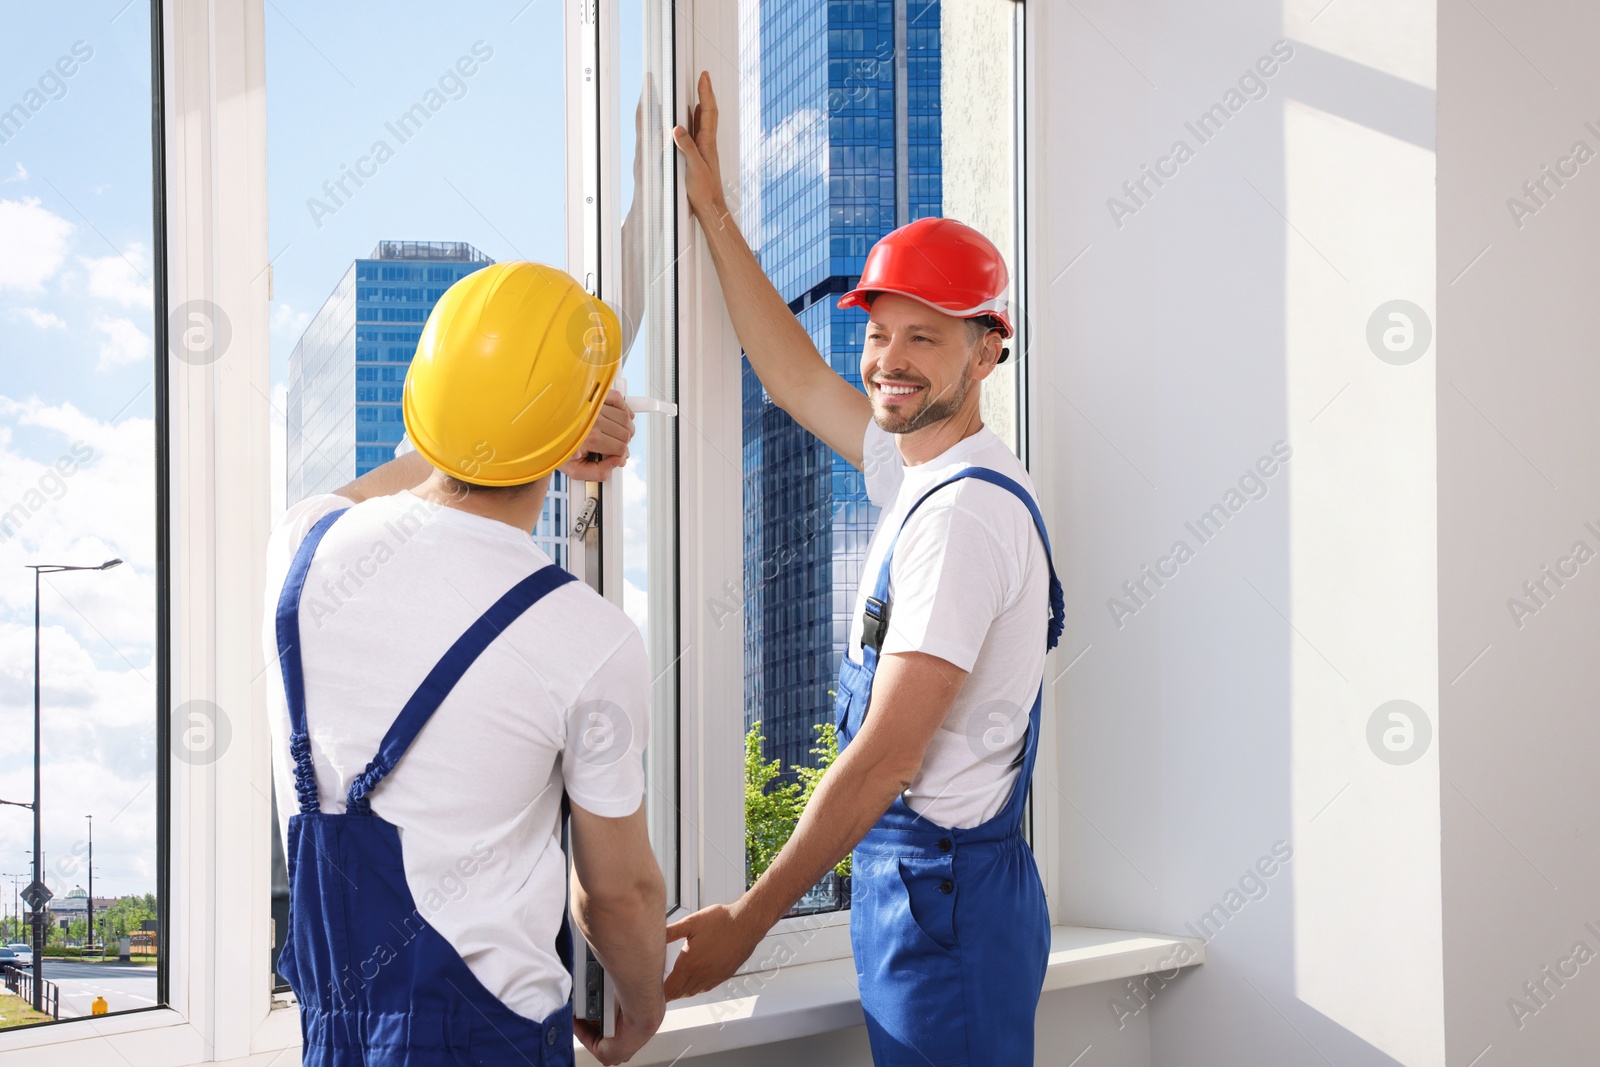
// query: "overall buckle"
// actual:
[[874, 624]]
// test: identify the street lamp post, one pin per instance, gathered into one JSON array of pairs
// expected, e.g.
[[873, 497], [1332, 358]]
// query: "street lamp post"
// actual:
[[38, 842], [16, 904], [88, 929]]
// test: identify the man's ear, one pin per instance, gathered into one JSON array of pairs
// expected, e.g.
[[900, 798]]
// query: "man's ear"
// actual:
[[988, 355]]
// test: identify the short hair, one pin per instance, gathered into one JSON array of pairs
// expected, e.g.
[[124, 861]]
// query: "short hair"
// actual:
[[980, 327]]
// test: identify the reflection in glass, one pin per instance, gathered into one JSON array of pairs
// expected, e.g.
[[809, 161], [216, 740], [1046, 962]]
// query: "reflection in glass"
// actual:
[[645, 290]]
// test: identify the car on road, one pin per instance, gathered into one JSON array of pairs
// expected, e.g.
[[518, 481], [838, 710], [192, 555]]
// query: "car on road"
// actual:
[[23, 954]]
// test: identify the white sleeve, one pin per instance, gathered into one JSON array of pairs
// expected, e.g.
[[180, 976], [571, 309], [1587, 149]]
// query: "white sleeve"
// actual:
[[404, 446], [950, 581], [602, 758], [291, 528]]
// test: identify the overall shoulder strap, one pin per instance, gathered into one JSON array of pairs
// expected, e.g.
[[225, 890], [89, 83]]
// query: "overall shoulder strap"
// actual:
[[444, 676], [294, 681], [877, 621]]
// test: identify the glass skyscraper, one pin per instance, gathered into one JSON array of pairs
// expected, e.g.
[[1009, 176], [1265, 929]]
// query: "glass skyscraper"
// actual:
[[347, 371], [841, 144]]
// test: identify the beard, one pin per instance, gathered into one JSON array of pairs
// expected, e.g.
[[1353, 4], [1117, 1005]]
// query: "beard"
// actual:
[[931, 411]]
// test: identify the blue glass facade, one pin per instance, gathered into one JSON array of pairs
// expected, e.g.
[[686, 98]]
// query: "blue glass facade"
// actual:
[[827, 144], [347, 371]]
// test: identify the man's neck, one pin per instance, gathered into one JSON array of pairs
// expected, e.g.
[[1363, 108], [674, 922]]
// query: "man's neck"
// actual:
[[521, 510], [931, 442]]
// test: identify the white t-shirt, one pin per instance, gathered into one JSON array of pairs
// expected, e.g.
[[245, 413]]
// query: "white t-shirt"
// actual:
[[559, 700], [969, 584]]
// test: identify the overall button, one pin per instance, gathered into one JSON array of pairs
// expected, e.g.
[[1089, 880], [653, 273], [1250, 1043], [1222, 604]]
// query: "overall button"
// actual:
[[944, 844], [947, 886], [550, 1036]]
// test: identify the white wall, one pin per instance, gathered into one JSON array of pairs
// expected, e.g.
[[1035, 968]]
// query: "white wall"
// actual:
[[1519, 477], [1178, 340]]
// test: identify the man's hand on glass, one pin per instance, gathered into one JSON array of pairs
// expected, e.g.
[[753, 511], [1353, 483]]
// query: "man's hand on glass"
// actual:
[[702, 169], [606, 447]]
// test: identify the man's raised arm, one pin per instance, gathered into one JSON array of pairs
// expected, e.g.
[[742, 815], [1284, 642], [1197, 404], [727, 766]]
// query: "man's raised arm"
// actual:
[[791, 369]]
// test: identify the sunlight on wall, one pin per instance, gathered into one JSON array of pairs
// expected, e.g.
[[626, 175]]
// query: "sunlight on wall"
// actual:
[[1363, 577], [1382, 34]]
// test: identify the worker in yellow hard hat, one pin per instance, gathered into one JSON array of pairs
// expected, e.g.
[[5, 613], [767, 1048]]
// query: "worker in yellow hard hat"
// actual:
[[441, 683]]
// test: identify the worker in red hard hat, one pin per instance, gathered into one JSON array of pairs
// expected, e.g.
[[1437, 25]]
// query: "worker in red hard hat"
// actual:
[[939, 694]]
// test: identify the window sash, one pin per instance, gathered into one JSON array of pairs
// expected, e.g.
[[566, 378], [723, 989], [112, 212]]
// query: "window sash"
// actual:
[[712, 509]]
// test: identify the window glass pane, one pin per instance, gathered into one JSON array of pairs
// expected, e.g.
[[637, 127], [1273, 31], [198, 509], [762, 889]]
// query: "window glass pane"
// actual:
[[857, 116], [404, 152], [646, 291], [78, 435]]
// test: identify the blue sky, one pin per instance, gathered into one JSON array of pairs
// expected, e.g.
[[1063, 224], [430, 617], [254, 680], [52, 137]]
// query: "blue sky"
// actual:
[[486, 167], [76, 322], [75, 377]]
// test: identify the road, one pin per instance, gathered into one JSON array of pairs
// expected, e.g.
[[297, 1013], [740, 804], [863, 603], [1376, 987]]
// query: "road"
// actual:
[[124, 985]]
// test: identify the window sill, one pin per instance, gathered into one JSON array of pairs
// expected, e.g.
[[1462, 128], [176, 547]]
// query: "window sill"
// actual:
[[813, 998]]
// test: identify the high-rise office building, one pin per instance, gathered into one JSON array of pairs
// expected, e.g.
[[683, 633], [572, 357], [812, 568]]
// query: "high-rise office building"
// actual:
[[347, 371], [841, 135]]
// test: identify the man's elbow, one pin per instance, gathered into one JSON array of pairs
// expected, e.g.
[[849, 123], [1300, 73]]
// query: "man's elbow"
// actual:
[[784, 396], [644, 888], [890, 774], [900, 777]]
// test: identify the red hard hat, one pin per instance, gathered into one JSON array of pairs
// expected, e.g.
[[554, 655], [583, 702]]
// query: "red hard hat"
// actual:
[[943, 263]]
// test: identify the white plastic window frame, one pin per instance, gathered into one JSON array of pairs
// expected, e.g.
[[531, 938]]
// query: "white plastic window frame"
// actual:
[[218, 930], [596, 120]]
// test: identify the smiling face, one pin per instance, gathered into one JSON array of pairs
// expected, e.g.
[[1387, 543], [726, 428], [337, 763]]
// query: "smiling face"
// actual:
[[919, 365]]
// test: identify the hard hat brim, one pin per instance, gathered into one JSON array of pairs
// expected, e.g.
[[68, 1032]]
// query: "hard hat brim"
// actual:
[[996, 308]]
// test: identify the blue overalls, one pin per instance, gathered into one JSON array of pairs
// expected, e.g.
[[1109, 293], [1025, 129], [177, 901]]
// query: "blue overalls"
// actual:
[[378, 986], [949, 925]]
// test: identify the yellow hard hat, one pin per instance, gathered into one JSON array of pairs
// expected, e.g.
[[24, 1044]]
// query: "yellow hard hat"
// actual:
[[510, 373]]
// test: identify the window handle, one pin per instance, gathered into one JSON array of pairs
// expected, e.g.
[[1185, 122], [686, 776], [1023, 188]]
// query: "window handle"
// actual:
[[641, 405]]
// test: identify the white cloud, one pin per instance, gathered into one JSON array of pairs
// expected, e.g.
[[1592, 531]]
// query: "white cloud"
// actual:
[[44, 320], [288, 321], [86, 492], [35, 243], [277, 439], [635, 501], [801, 138], [81, 493], [123, 279], [18, 175], [636, 604], [124, 342]]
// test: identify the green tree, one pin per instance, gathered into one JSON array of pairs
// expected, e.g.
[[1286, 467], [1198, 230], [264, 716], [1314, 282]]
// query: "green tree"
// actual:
[[126, 913], [773, 808]]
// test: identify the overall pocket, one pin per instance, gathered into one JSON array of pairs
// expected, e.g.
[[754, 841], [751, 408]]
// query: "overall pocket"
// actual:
[[931, 896]]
